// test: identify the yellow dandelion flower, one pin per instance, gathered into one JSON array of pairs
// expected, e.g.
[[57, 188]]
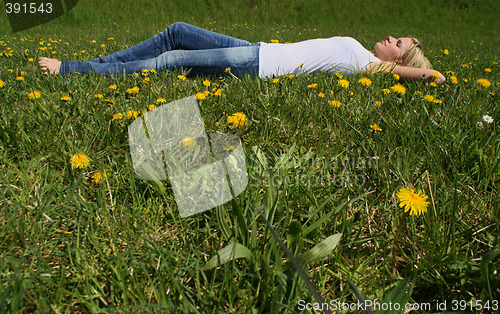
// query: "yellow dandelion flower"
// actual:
[[291, 76], [339, 75], [206, 83], [188, 142], [109, 101], [34, 95], [398, 89], [378, 103], [344, 83], [181, 77], [453, 80], [113, 87], [231, 120], [375, 128], [65, 98], [2, 84], [145, 80], [433, 84], [322, 95], [446, 51], [240, 116], [364, 81], [200, 96], [132, 114], [133, 90], [396, 76], [276, 80], [484, 83], [275, 41], [335, 103], [31, 59], [437, 101], [117, 116], [227, 70], [488, 70], [24, 73], [312, 86], [237, 119], [161, 100], [20, 78], [79, 161], [98, 176], [218, 92], [415, 202], [435, 75], [429, 98], [151, 107], [98, 96]]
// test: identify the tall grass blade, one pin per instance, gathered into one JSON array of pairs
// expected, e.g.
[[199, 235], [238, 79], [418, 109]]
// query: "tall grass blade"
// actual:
[[294, 261], [230, 252], [321, 249]]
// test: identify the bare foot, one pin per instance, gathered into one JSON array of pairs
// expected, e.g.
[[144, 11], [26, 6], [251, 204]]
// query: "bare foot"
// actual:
[[49, 66]]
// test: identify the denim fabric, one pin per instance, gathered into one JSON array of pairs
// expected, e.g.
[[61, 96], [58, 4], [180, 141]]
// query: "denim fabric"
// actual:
[[180, 46]]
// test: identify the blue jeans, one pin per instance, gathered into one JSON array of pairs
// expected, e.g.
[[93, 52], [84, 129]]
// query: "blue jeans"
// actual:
[[180, 46]]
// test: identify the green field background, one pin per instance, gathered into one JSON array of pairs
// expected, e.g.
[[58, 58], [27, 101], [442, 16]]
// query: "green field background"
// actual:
[[68, 244], [126, 19]]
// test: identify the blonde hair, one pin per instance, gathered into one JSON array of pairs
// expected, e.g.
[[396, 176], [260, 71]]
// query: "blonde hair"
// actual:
[[413, 57]]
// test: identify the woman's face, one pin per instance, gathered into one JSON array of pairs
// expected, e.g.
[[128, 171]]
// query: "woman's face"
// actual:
[[391, 49]]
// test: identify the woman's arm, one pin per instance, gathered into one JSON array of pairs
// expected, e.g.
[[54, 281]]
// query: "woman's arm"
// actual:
[[408, 73]]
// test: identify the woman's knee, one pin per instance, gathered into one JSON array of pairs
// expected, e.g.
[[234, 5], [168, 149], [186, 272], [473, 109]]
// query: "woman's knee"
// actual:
[[176, 26]]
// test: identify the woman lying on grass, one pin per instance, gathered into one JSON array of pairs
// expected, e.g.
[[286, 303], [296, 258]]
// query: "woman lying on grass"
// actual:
[[202, 52]]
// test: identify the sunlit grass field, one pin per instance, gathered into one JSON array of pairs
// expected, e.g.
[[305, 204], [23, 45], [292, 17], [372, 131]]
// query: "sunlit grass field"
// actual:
[[326, 155]]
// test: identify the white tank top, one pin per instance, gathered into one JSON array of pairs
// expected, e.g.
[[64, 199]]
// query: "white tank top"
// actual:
[[335, 54]]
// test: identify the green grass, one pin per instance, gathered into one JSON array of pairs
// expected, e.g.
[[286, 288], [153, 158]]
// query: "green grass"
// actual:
[[316, 171]]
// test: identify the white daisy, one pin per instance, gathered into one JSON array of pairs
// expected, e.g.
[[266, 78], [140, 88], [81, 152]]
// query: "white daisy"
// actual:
[[487, 118]]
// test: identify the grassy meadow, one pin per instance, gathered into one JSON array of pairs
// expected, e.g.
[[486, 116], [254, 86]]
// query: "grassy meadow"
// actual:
[[325, 160]]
